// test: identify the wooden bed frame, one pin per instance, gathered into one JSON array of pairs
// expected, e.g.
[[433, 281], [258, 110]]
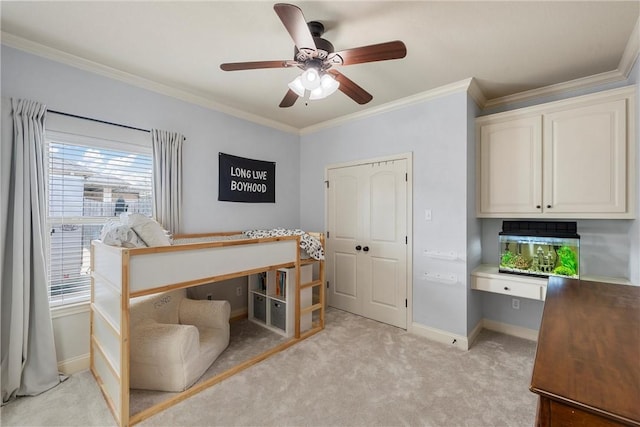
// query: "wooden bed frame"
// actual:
[[118, 274]]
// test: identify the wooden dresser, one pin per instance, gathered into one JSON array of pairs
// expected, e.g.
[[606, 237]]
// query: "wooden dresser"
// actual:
[[587, 365]]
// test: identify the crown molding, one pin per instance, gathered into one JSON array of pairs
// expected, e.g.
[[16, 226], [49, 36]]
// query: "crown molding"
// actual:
[[460, 86], [475, 91], [556, 89], [38, 49], [631, 51]]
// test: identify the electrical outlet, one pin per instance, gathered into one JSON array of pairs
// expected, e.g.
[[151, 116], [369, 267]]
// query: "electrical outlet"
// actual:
[[210, 297], [239, 291], [515, 304]]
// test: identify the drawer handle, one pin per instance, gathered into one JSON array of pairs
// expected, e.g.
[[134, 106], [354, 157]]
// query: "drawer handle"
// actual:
[[506, 288]]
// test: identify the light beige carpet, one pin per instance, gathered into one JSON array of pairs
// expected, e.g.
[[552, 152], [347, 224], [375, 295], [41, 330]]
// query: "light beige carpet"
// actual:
[[356, 372]]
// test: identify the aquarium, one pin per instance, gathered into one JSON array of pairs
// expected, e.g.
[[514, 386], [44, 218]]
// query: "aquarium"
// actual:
[[540, 248]]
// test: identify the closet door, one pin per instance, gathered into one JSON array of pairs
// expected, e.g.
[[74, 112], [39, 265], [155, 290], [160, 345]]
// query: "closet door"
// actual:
[[367, 245], [343, 226]]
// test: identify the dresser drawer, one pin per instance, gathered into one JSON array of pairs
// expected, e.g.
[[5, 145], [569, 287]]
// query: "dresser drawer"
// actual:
[[508, 287]]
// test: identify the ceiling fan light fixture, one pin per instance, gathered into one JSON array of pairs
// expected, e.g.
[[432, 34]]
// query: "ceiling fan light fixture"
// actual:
[[310, 78], [297, 87], [328, 85]]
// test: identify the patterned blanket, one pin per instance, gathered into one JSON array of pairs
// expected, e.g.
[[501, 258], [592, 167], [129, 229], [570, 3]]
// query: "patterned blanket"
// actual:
[[307, 242]]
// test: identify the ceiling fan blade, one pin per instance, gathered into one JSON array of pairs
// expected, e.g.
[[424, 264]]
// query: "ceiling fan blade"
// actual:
[[289, 99], [293, 20], [375, 52], [350, 88], [236, 66]]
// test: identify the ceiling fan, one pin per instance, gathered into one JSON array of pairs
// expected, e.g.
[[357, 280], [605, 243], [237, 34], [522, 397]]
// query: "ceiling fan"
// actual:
[[316, 57]]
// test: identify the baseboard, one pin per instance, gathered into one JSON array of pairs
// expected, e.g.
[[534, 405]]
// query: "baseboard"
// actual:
[[505, 328], [474, 333], [465, 343], [75, 364], [440, 336], [239, 314]]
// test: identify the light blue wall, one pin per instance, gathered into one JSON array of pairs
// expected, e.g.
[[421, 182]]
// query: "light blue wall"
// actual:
[[474, 225], [437, 133], [208, 132]]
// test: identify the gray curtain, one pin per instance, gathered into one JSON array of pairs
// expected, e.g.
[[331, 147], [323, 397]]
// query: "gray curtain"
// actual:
[[29, 364], [167, 178]]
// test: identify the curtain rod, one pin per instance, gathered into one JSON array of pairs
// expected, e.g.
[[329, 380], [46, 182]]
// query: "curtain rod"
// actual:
[[97, 120]]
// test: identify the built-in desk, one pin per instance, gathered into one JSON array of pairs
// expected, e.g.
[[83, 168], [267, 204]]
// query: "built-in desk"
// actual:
[[587, 365]]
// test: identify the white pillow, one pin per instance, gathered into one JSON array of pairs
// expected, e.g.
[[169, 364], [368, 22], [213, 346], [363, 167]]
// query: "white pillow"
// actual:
[[116, 234], [148, 229]]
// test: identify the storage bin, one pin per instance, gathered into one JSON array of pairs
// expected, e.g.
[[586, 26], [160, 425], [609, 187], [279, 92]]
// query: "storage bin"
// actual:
[[278, 314], [259, 307]]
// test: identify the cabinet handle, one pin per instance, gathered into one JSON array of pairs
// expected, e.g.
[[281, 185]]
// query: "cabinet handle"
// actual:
[[537, 206], [366, 249], [358, 247], [506, 288], [548, 206]]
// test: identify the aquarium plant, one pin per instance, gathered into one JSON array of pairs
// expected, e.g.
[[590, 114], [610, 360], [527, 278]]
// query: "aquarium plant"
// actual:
[[507, 259], [567, 262], [563, 271]]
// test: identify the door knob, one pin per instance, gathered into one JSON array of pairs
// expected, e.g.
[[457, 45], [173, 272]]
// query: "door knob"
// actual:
[[366, 249], [358, 247]]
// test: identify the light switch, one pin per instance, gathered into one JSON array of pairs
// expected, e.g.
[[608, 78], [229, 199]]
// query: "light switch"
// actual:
[[427, 214]]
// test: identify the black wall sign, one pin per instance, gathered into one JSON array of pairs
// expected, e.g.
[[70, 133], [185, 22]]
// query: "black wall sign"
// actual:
[[246, 180]]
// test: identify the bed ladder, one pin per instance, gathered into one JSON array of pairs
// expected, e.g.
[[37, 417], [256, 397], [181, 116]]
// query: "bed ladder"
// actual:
[[317, 298]]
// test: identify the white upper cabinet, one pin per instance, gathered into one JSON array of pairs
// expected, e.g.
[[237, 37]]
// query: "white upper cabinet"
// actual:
[[585, 159], [510, 166], [567, 159]]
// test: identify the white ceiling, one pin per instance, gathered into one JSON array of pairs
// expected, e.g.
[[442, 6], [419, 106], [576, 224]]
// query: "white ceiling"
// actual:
[[176, 47]]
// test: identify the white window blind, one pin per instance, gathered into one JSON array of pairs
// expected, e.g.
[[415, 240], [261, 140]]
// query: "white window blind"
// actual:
[[90, 181]]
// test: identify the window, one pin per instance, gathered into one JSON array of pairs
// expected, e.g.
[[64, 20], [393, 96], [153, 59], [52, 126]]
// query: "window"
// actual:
[[90, 181]]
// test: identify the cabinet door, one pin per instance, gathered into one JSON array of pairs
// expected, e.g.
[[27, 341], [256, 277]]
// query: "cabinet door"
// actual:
[[585, 167], [511, 167]]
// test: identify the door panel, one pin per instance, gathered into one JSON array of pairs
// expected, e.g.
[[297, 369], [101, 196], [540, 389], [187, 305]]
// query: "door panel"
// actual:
[[383, 206], [346, 218], [345, 274], [367, 244], [383, 278]]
